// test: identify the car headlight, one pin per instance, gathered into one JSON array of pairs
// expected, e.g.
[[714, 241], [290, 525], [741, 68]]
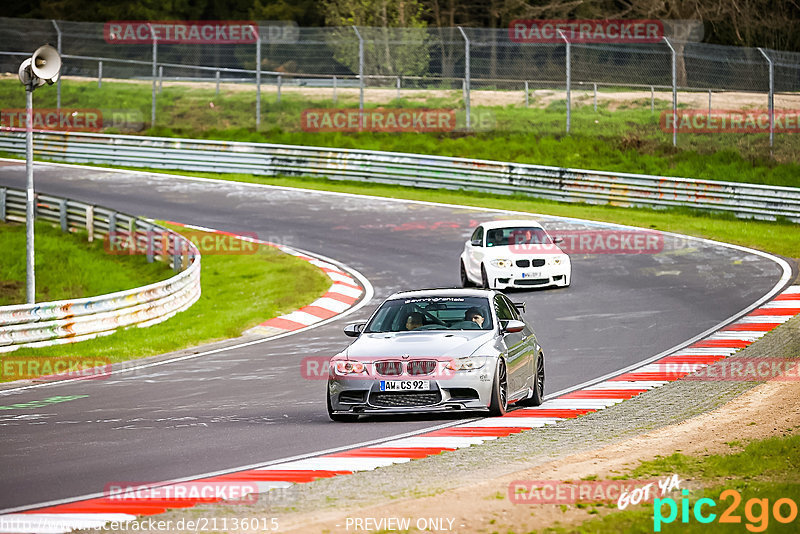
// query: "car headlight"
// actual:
[[465, 364], [501, 263], [350, 367]]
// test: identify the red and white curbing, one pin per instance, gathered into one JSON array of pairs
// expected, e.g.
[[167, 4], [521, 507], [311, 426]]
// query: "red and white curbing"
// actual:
[[93, 513], [341, 296]]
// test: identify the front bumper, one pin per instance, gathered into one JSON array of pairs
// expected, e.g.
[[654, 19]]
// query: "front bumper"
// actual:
[[465, 390], [517, 277]]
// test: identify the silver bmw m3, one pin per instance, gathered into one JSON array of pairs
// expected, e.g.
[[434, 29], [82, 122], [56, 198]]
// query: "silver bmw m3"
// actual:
[[438, 350]]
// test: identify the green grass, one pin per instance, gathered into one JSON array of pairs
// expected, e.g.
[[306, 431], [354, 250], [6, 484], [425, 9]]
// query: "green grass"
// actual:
[[766, 469], [774, 457], [68, 266], [238, 292], [626, 139]]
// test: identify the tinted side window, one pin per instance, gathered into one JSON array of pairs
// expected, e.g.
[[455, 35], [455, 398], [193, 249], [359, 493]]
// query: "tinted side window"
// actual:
[[504, 313], [514, 311], [477, 237]]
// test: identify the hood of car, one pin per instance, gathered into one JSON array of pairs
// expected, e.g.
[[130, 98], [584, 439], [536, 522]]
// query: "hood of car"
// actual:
[[435, 344]]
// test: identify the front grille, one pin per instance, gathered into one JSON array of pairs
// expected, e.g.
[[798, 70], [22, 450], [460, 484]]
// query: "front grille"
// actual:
[[389, 368], [523, 263], [537, 263], [532, 281], [403, 400], [421, 367]]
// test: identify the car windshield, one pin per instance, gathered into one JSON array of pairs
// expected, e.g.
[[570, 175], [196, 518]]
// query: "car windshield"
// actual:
[[518, 235], [432, 313]]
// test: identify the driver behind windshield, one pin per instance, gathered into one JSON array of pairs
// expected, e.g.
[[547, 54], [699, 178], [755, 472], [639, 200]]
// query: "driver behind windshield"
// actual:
[[475, 315], [414, 320]]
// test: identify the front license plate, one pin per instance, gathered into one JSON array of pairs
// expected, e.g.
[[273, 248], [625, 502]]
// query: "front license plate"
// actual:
[[532, 274], [405, 385]]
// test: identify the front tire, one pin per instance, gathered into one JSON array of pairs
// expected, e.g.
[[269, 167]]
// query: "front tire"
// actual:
[[498, 405], [465, 281], [484, 278], [340, 417], [537, 395]]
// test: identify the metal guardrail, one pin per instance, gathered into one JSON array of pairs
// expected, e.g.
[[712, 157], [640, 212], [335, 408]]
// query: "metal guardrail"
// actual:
[[562, 184], [66, 321]]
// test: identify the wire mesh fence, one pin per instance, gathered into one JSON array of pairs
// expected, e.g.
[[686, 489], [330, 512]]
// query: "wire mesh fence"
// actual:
[[457, 68]]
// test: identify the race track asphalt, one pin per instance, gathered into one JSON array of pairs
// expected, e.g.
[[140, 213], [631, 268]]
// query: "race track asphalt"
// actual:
[[252, 405]]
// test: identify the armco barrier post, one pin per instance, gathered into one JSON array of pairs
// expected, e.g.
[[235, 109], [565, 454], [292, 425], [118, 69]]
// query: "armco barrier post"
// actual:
[[90, 222], [112, 222], [99, 74], [150, 244], [466, 74], [176, 253], [3, 204], [62, 215], [132, 236]]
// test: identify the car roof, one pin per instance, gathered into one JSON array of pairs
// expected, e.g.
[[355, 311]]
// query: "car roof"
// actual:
[[444, 292], [491, 225]]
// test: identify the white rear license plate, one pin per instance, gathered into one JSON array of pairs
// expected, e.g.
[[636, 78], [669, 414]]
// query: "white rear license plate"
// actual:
[[405, 385]]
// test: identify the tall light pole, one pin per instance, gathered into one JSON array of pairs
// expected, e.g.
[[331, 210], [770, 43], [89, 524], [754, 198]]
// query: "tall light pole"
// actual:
[[42, 67]]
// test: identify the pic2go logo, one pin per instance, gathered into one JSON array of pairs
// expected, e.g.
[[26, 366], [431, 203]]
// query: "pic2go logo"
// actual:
[[756, 511]]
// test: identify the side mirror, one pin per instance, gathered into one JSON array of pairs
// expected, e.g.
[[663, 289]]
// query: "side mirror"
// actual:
[[475, 242], [557, 240], [520, 306], [511, 327], [354, 330]]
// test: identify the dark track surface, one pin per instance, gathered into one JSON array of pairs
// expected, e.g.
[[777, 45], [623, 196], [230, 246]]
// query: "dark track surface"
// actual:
[[251, 405]]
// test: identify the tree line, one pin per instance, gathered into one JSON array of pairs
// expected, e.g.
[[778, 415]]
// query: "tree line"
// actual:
[[766, 23]]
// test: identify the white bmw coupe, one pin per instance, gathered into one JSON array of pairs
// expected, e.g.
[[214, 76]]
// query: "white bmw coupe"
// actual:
[[520, 253]]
